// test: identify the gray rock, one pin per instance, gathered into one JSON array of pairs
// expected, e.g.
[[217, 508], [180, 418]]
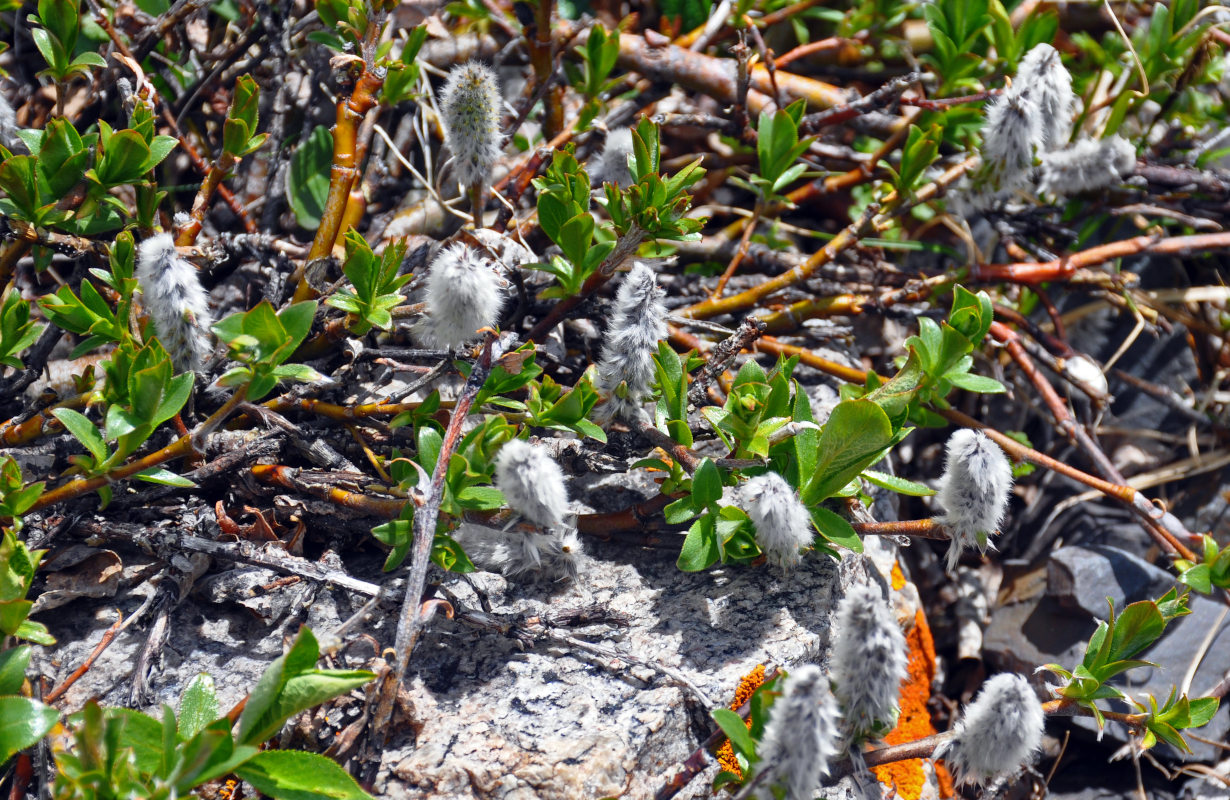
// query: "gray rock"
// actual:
[[1081, 578]]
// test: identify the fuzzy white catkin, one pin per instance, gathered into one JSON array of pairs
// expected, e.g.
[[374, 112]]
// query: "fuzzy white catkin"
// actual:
[[471, 110], [1043, 75], [554, 552], [999, 732], [783, 526], [612, 165], [973, 490], [1013, 130], [869, 661], [177, 305], [463, 294], [532, 483], [800, 736], [1088, 165], [637, 324]]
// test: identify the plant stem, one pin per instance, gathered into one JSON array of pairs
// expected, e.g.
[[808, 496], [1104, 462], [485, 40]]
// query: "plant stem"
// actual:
[[410, 621], [181, 447], [342, 174], [186, 235]]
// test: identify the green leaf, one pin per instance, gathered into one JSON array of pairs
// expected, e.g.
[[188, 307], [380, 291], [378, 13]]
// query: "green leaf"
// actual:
[[143, 734], [854, 438], [297, 320], [975, 383], [290, 685], [1199, 577], [83, 431], [898, 485], [22, 723], [736, 730], [18, 180], [1201, 710], [165, 477], [307, 180], [706, 485], [198, 706], [289, 775], [700, 547], [35, 632], [1136, 629], [50, 49], [835, 529], [124, 159], [13, 663]]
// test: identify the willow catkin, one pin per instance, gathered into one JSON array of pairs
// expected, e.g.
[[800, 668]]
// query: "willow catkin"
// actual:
[[177, 304], [999, 732], [973, 491], [800, 736], [470, 109], [463, 294], [783, 526], [637, 325]]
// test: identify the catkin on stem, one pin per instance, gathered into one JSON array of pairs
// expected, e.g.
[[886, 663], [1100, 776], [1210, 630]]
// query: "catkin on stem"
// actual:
[[869, 662], [177, 305], [612, 164], [471, 110], [783, 526], [532, 483], [1043, 75], [1088, 165], [1013, 131], [800, 736], [999, 732], [626, 369], [973, 491], [463, 294]]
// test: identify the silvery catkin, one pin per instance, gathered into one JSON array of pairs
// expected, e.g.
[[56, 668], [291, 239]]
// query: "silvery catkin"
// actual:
[[869, 662], [463, 294], [800, 736], [973, 491], [1042, 74], [177, 305], [1088, 165], [783, 526], [999, 732], [471, 111], [612, 164], [1011, 134], [637, 324], [532, 483]]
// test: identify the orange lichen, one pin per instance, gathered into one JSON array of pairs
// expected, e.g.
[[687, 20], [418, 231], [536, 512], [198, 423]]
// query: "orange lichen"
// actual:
[[908, 777], [898, 577], [747, 687]]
